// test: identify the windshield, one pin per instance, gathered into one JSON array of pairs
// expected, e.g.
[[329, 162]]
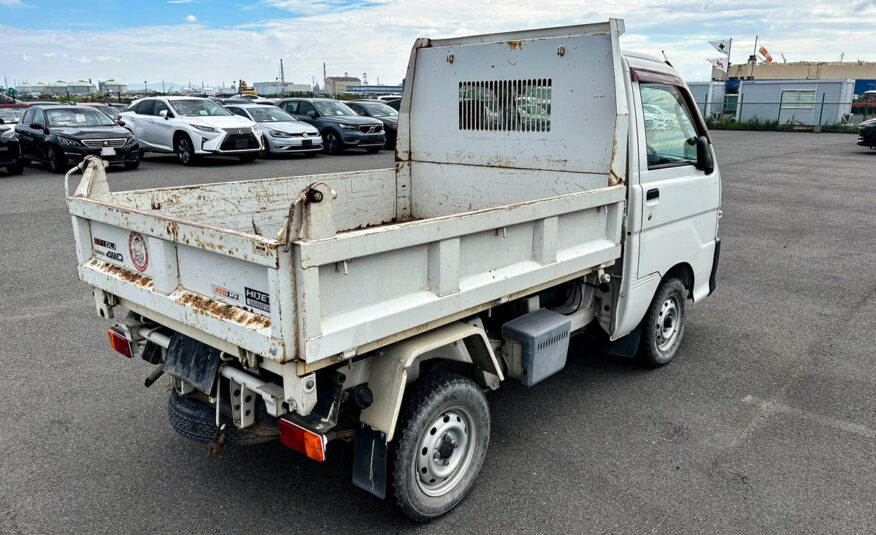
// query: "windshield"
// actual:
[[269, 114], [379, 110], [198, 108], [333, 108], [110, 111], [11, 115], [77, 117]]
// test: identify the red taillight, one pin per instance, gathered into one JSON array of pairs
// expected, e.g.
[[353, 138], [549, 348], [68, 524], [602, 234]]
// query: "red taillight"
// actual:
[[119, 342], [302, 440]]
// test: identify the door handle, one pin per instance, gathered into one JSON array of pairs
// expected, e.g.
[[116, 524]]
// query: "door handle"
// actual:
[[652, 194]]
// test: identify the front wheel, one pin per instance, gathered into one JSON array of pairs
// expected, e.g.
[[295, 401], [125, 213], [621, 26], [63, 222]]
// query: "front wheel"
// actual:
[[53, 159], [185, 151], [440, 446], [332, 142], [663, 324]]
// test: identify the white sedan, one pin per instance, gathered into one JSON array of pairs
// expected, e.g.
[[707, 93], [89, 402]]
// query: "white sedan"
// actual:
[[282, 132]]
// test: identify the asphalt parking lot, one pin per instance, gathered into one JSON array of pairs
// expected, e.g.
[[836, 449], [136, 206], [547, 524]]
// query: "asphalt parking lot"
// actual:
[[765, 423]]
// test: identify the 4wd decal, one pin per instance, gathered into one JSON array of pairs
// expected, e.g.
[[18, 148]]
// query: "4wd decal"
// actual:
[[257, 299], [107, 249], [139, 254]]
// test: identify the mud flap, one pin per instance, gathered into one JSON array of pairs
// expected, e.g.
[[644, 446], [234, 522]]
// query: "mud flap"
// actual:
[[193, 362], [369, 461]]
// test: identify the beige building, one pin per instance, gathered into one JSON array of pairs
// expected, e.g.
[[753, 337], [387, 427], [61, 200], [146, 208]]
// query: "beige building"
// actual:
[[802, 70], [337, 85]]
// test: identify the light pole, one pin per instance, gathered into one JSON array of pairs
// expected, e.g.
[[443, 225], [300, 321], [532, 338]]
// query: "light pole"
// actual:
[[145, 89]]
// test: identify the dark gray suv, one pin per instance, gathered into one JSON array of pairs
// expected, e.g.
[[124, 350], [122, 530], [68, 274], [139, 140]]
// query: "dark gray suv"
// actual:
[[341, 127]]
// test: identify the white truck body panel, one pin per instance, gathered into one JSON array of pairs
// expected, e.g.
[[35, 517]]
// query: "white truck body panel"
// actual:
[[467, 220]]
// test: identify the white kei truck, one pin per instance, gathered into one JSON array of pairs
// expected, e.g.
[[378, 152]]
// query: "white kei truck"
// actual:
[[546, 184]]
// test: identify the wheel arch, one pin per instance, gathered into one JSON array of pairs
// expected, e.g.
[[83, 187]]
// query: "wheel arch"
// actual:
[[459, 343], [683, 271]]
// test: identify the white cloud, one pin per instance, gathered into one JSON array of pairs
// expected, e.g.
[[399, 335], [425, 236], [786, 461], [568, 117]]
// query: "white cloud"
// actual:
[[191, 18], [11, 3], [376, 37]]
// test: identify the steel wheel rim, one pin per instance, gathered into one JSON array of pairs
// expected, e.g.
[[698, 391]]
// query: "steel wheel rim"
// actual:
[[668, 322], [446, 451]]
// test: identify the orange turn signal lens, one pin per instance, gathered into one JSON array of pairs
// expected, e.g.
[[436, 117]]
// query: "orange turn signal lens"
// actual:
[[119, 342], [302, 440]]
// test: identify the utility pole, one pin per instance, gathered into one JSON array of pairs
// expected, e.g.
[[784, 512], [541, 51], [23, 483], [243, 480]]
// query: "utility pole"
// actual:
[[754, 57], [324, 82], [282, 75], [145, 89]]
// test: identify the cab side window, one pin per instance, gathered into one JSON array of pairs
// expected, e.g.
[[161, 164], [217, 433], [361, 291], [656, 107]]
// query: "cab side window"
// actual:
[[237, 111], [38, 118], [305, 107], [670, 136], [291, 107], [357, 108], [145, 107], [159, 106], [26, 118]]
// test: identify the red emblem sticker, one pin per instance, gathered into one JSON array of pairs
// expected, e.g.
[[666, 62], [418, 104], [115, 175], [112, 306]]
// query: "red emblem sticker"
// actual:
[[137, 248]]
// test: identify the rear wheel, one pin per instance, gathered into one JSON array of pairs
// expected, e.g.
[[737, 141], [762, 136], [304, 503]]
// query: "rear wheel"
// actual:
[[16, 168], [663, 324], [332, 142], [53, 159], [441, 442], [184, 149]]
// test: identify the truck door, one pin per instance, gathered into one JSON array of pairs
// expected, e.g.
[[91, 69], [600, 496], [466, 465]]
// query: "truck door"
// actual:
[[679, 209]]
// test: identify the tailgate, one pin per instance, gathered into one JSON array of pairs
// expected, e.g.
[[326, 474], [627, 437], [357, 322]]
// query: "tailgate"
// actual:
[[216, 285]]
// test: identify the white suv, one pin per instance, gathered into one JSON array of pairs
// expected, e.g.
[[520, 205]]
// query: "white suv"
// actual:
[[191, 127]]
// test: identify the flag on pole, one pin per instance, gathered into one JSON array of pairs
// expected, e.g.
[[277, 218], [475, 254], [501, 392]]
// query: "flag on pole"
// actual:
[[766, 55], [719, 63], [722, 46]]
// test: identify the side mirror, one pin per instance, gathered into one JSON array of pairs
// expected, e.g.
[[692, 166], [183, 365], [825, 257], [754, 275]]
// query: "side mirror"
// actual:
[[311, 114], [120, 122], [36, 126], [165, 114], [704, 156]]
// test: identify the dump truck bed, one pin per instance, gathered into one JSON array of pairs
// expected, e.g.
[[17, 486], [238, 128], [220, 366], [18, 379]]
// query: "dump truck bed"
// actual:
[[488, 202]]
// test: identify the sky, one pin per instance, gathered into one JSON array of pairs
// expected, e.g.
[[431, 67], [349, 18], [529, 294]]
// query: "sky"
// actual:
[[216, 41]]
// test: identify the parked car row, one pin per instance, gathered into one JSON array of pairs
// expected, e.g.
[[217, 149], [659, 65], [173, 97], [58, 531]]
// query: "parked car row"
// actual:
[[60, 135]]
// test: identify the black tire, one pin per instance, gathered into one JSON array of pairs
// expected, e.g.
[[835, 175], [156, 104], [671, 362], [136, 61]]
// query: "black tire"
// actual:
[[15, 169], [265, 153], [248, 157], [372, 150], [184, 150], [331, 142], [53, 160], [132, 165], [197, 421], [25, 162], [663, 324], [443, 428]]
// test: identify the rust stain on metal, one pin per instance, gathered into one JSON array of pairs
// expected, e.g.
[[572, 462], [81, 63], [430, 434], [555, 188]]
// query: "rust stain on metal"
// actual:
[[513, 45], [126, 275], [217, 309]]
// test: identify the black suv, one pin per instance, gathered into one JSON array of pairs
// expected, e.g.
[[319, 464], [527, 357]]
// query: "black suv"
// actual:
[[383, 113], [10, 150], [867, 134], [61, 136], [341, 127]]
